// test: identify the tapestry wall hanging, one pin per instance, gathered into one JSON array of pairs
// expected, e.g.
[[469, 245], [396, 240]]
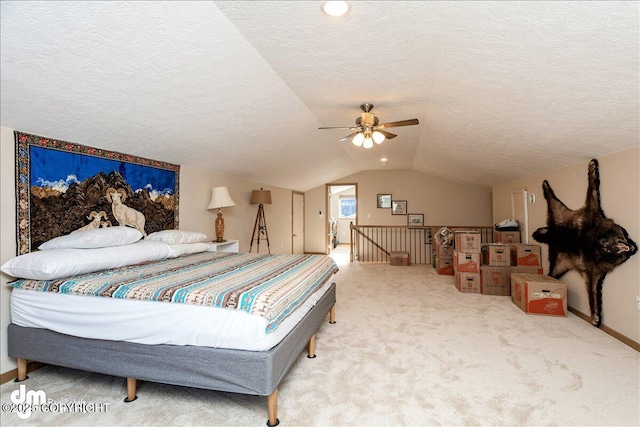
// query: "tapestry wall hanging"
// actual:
[[584, 240], [62, 187]]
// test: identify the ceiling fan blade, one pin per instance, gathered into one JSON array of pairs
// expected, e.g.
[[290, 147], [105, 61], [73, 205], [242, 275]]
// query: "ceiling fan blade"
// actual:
[[348, 137], [386, 134], [340, 127], [400, 123]]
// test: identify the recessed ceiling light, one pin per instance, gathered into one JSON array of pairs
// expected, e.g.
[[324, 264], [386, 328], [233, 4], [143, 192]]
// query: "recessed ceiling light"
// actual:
[[335, 8], [384, 159]]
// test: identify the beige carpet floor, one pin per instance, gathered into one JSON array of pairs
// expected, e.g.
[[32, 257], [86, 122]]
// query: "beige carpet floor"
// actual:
[[407, 350]]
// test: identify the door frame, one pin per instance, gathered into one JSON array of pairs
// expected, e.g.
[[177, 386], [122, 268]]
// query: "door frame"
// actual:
[[293, 193], [519, 199], [327, 227]]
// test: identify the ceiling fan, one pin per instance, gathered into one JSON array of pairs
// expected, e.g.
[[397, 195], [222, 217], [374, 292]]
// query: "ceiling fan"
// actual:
[[369, 131]]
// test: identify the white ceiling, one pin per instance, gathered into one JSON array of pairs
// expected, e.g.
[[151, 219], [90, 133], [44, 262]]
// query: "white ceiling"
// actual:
[[502, 90]]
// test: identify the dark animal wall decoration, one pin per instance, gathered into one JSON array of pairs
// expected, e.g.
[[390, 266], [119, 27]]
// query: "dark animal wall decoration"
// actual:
[[584, 240], [62, 187]]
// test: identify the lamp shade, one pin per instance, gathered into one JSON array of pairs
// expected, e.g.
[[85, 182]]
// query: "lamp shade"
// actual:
[[220, 198], [261, 197], [378, 137], [358, 139]]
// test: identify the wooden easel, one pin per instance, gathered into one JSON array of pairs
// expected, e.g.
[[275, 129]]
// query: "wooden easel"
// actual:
[[260, 227]]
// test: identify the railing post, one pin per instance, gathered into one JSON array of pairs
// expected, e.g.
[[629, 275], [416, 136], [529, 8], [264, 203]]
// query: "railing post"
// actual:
[[351, 241]]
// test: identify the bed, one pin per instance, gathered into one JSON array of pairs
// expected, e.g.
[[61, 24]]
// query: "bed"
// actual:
[[300, 289]]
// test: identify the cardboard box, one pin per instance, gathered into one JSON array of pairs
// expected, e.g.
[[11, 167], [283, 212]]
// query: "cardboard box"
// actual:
[[443, 252], [466, 262], [468, 283], [539, 294], [525, 255], [399, 258], [496, 255], [506, 236], [495, 280], [531, 270], [444, 266], [467, 241]]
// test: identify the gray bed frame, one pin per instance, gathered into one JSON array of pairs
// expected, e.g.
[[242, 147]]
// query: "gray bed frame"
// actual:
[[238, 371]]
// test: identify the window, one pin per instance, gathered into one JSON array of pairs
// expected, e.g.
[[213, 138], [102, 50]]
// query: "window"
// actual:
[[347, 207]]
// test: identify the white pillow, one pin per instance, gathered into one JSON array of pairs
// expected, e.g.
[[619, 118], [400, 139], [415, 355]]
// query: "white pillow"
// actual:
[[188, 248], [96, 238], [176, 237], [58, 263]]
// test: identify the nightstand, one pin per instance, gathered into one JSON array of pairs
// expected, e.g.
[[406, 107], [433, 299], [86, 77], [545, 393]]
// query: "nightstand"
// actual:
[[228, 246]]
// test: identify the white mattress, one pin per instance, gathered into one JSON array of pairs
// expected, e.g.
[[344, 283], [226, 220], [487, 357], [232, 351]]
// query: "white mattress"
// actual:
[[151, 322]]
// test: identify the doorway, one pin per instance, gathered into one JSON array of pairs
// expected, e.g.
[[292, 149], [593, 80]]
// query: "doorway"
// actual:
[[342, 210]]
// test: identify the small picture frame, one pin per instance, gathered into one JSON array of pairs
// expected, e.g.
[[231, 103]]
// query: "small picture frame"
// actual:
[[415, 220], [398, 207], [384, 201]]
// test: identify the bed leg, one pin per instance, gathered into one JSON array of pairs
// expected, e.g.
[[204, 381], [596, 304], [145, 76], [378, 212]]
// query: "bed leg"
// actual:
[[22, 370], [131, 390], [311, 347], [272, 402], [332, 314]]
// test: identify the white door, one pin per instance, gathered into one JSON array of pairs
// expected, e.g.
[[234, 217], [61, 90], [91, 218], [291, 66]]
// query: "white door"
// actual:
[[520, 212], [297, 216]]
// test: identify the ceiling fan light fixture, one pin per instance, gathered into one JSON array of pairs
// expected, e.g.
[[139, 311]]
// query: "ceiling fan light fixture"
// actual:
[[358, 139], [369, 130], [335, 8], [378, 137]]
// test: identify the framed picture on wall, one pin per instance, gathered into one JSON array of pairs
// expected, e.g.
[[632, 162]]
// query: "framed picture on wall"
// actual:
[[415, 220], [384, 200], [399, 207]]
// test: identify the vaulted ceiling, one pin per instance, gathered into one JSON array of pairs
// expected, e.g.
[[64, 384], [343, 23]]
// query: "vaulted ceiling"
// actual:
[[502, 90]]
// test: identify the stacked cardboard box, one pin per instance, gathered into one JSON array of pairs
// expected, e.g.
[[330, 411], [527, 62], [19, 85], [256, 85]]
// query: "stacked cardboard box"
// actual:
[[495, 280], [487, 268], [467, 241], [525, 259], [506, 236], [466, 261], [443, 259], [468, 283], [495, 271], [539, 294], [399, 258], [496, 255], [500, 261]]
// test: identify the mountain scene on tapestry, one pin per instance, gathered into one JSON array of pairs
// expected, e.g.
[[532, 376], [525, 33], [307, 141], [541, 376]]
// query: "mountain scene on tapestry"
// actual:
[[73, 187]]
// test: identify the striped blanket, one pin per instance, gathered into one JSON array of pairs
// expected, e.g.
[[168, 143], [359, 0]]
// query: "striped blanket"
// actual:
[[272, 286]]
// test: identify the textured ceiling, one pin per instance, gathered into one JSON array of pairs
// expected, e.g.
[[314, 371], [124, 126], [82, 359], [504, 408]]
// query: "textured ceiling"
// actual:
[[502, 90]]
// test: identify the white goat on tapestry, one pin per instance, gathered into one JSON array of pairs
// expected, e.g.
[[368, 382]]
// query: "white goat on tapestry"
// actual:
[[96, 221], [125, 215]]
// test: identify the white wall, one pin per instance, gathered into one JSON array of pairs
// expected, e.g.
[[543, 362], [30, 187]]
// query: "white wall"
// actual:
[[315, 221], [195, 194], [620, 200]]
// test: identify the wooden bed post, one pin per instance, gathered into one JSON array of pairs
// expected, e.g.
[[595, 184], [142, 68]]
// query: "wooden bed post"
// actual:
[[311, 347], [131, 390], [272, 402], [332, 314], [22, 369]]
